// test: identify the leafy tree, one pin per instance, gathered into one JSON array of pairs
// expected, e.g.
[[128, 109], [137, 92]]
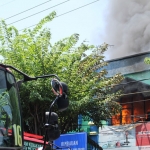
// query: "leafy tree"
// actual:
[[147, 60], [89, 89]]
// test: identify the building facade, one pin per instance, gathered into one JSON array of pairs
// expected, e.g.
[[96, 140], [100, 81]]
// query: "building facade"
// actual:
[[131, 127]]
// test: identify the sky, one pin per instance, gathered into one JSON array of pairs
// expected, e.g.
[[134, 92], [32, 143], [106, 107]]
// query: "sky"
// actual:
[[125, 24], [87, 21]]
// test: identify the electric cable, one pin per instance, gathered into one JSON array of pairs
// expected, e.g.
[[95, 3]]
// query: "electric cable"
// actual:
[[131, 94], [135, 101], [77, 8], [122, 84], [27, 10], [6, 3], [127, 94], [38, 12], [65, 13], [134, 93], [130, 82]]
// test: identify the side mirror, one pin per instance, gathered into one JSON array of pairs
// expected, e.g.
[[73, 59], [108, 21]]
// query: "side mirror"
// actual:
[[53, 131], [60, 89]]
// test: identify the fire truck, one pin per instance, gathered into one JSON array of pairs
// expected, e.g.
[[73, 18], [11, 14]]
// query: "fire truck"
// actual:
[[11, 128]]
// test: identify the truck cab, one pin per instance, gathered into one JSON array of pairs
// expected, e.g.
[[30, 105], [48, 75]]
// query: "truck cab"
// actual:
[[11, 132], [11, 129]]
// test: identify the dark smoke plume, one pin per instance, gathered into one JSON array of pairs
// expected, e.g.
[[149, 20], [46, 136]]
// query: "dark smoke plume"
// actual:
[[127, 27]]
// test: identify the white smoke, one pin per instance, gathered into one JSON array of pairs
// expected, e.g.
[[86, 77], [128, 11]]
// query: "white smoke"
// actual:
[[127, 27]]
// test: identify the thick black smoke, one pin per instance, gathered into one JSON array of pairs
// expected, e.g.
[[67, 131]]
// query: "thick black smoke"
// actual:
[[127, 27]]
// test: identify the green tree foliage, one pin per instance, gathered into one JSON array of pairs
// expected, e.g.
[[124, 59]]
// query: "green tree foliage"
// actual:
[[89, 88], [147, 60]]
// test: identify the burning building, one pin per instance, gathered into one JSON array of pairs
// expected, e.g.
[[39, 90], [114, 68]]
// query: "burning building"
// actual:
[[126, 27], [131, 127], [135, 97]]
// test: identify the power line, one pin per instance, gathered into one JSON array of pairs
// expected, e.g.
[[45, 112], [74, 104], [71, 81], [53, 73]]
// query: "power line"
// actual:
[[27, 10], [65, 13], [135, 93], [127, 94], [135, 101], [38, 12], [77, 8], [130, 82], [6, 3]]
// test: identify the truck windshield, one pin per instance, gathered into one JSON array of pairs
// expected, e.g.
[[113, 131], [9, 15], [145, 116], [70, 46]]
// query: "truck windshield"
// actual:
[[10, 117]]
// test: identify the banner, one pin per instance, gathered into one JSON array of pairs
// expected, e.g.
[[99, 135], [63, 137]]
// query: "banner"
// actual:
[[131, 137], [31, 145], [77, 141]]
